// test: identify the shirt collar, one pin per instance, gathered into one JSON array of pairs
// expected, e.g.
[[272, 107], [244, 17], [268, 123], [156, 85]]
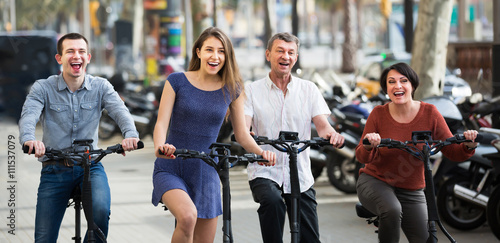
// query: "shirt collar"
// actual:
[[61, 84], [270, 84]]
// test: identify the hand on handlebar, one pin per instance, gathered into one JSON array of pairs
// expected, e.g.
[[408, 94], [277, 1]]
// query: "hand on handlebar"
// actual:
[[35, 147], [165, 151], [269, 156], [336, 139], [470, 135], [129, 144], [373, 140]]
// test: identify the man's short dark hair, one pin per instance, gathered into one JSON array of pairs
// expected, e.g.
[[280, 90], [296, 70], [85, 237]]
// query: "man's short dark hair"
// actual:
[[70, 36]]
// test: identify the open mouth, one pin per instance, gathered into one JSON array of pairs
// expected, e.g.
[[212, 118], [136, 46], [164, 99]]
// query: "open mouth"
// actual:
[[213, 64], [76, 66], [399, 94], [284, 64]]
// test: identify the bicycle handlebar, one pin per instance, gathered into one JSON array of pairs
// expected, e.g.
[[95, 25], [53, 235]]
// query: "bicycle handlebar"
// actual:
[[281, 144], [434, 145], [81, 148], [284, 141], [458, 138], [210, 158]]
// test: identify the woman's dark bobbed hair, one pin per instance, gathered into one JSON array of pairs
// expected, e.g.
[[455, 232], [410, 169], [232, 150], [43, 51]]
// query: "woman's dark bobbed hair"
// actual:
[[403, 69]]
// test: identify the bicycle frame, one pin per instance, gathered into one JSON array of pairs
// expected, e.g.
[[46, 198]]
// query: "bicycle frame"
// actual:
[[81, 154], [288, 142], [430, 147], [226, 161]]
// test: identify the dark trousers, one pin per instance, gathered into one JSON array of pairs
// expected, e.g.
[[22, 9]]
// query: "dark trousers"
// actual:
[[273, 206]]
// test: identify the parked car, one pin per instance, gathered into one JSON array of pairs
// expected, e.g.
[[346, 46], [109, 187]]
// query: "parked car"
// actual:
[[24, 57]]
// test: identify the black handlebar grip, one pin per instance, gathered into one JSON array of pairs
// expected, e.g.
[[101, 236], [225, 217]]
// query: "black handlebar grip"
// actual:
[[140, 145], [341, 146], [177, 152], [181, 151], [382, 141], [26, 149], [479, 138]]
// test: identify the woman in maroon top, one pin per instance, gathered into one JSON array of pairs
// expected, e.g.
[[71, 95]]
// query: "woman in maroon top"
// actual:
[[391, 183]]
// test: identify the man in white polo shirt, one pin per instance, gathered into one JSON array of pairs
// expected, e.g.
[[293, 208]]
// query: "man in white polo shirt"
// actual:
[[281, 102]]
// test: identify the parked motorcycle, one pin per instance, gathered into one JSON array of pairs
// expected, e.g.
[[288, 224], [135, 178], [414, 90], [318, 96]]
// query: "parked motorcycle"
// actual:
[[142, 104], [462, 199], [480, 112], [349, 120], [463, 186], [493, 206]]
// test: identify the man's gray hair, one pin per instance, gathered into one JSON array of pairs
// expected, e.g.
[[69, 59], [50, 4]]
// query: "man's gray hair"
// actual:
[[284, 36]]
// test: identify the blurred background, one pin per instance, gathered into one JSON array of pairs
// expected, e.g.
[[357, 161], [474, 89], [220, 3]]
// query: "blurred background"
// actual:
[[453, 45], [140, 42]]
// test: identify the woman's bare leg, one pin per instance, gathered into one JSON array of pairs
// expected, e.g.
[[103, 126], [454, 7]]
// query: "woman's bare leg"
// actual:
[[204, 231], [182, 207]]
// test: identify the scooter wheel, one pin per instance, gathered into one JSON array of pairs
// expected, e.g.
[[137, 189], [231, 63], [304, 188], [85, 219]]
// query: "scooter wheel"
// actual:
[[458, 213], [341, 172], [493, 212]]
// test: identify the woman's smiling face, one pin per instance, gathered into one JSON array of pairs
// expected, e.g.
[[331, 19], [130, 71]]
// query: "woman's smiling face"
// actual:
[[212, 55], [399, 87]]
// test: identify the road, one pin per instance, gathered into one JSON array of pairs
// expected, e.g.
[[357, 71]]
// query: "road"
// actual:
[[135, 219]]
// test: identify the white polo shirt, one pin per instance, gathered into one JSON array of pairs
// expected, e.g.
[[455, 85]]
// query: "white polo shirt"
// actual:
[[271, 112]]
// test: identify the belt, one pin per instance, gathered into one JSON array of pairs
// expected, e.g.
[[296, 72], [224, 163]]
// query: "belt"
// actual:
[[66, 163]]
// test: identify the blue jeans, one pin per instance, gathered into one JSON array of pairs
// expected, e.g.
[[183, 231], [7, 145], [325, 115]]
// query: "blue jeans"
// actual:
[[56, 184], [274, 204]]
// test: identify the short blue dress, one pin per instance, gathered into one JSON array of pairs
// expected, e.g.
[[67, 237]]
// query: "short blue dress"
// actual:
[[196, 119]]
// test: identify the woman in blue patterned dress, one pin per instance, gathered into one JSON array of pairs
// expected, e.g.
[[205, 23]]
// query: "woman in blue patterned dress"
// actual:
[[193, 106]]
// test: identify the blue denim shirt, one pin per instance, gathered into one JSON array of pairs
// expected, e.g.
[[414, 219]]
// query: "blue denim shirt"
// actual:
[[66, 115]]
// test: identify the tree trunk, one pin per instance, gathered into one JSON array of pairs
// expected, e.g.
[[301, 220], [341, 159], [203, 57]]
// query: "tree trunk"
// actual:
[[359, 24], [349, 48], [197, 15], [430, 46], [268, 23], [295, 29]]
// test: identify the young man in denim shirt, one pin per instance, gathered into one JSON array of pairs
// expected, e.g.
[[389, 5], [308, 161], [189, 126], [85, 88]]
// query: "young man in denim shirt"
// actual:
[[69, 107]]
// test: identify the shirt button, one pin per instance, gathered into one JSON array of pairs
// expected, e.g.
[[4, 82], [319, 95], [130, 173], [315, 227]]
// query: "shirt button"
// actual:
[[76, 110]]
